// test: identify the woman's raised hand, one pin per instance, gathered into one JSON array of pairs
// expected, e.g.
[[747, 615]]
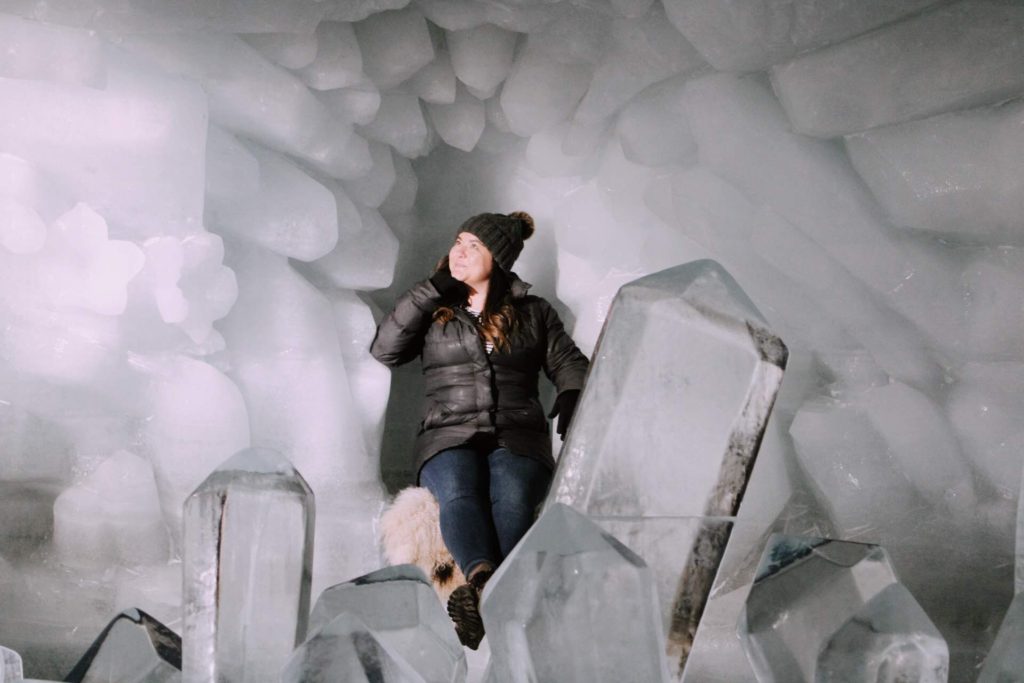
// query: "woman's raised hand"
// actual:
[[448, 286]]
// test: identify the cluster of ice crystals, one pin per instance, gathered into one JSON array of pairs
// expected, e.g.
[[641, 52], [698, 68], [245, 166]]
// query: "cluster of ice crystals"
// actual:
[[204, 206]]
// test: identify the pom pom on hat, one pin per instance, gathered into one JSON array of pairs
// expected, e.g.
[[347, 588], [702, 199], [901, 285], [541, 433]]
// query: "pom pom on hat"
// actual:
[[527, 225]]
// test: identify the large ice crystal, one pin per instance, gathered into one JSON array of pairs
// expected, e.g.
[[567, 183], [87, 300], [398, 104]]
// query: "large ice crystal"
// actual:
[[692, 396], [247, 560], [401, 608], [133, 647], [347, 650], [823, 610], [10, 666], [1005, 661], [574, 605]]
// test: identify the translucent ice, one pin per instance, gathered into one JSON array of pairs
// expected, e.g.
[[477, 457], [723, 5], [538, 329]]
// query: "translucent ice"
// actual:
[[435, 82], [133, 647], [395, 45], [725, 384], [541, 92], [1005, 661], [481, 57], [357, 103], [82, 268], [577, 37], [111, 517], [291, 213], [22, 229], [46, 52], [372, 189], [356, 10], [461, 123], [134, 152], [892, 450], [750, 36], [347, 650], [909, 70], [366, 254], [400, 607], [571, 603], [957, 174], [642, 51], [367, 378], [338, 61], [232, 171], [652, 128], [10, 666], [402, 197], [234, 75], [196, 418], [290, 50], [399, 122], [823, 610], [740, 130], [247, 562]]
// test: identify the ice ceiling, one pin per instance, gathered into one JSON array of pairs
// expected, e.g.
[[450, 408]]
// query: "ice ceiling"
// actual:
[[203, 207]]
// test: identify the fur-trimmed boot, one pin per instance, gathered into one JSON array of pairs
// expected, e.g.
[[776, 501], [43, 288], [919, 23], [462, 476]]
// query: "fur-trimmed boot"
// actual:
[[410, 530], [464, 606]]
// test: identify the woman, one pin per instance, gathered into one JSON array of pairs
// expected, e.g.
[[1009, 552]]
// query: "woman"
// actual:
[[483, 447]]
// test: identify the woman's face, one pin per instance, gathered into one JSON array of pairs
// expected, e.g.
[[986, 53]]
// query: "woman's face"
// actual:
[[469, 260]]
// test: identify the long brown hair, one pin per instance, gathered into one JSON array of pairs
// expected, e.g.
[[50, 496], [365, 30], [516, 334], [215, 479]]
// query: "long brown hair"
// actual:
[[499, 319]]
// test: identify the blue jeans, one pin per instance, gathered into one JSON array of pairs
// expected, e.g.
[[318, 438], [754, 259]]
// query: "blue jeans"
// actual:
[[487, 500]]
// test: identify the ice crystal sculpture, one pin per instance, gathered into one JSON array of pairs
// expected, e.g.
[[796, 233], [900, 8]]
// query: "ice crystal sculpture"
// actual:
[[685, 373], [823, 610], [247, 561], [572, 604], [1005, 661], [401, 608], [133, 647]]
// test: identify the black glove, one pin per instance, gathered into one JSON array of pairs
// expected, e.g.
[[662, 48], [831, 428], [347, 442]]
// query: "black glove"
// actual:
[[450, 288], [565, 406]]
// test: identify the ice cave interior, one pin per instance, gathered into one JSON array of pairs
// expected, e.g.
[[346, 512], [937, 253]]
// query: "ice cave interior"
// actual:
[[206, 207]]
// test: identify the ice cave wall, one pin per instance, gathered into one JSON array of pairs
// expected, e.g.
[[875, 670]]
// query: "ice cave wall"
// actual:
[[203, 208]]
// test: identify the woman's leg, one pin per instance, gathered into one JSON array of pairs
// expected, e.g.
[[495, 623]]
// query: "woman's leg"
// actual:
[[518, 486], [458, 479]]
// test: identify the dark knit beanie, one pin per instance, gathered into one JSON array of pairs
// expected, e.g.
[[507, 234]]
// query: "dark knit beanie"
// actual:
[[502, 235]]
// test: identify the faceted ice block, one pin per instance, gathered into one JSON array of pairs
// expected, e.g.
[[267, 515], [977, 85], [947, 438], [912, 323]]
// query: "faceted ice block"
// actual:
[[961, 174], [338, 62], [823, 610], [698, 416], [401, 608], [133, 647], [754, 34], [461, 123], [234, 75], [111, 517], [290, 50], [652, 128], [357, 103], [913, 69], [357, 10], [481, 57], [198, 419], [135, 152], [541, 92], [347, 650], [576, 37], [402, 197], [435, 83], [399, 122], [1005, 660], [741, 129], [395, 45], [366, 254], [372, 189], [291, 213], [574, 605], [46, 52], [642, 51], [247, 563], [10, 666]]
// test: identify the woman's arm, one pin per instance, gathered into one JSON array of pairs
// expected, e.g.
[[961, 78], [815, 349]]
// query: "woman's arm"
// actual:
[[564, 364], [399, 337]]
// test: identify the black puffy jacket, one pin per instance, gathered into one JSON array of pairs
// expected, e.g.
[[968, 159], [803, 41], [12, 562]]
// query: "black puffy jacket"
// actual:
[[470, 391]]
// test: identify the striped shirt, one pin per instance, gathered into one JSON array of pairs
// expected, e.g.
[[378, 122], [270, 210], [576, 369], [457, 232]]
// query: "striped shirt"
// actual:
[[488, 344]]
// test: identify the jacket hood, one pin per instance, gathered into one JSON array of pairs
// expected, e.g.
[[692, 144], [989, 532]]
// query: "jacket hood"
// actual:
[[518, 287]]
